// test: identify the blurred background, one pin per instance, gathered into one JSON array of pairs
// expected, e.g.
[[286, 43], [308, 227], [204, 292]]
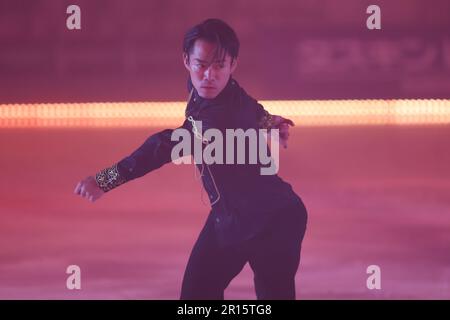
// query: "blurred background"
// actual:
[[131, 51], [369, 154]]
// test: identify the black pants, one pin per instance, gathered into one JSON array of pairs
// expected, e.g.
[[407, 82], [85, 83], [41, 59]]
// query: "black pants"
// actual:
[[273, 255]]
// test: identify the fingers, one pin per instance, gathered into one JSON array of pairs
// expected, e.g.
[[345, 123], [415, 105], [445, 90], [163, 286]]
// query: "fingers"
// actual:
[[77, 188], [284, 134], [284, 127], [81, 189], [88, 196], [289, 122], [284, 131], [279, 120]]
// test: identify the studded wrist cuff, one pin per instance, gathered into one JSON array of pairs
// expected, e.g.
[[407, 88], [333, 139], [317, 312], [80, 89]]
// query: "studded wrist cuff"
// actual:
[[109, 178], [267, 121]]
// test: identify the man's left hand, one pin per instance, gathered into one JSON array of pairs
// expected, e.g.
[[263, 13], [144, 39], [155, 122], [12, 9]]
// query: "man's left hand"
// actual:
[[283, 125]]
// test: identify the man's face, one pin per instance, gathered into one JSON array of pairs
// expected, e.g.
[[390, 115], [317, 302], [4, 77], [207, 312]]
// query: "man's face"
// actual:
[[209, 75]]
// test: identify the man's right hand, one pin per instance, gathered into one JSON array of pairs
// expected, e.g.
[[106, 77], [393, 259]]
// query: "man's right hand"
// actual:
[[89, 189]]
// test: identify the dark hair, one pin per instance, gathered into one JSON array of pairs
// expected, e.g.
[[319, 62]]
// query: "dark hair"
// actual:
[[215, 31]]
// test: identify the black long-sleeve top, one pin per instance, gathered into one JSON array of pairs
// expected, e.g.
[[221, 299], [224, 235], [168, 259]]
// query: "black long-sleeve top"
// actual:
[[242, 199]]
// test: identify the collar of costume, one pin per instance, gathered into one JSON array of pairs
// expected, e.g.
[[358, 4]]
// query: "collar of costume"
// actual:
[[197, 103]]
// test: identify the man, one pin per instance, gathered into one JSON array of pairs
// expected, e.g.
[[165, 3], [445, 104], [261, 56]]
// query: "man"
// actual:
[[254, 218]]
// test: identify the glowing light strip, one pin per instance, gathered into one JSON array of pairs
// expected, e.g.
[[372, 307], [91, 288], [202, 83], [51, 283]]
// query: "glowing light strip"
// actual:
[[150, 114]]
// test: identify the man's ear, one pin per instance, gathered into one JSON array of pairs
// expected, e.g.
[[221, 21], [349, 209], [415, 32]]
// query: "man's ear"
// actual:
[[186, 61], [234, 65]]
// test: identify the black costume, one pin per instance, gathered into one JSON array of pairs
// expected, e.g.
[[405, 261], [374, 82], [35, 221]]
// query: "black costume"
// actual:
[[254, 218]]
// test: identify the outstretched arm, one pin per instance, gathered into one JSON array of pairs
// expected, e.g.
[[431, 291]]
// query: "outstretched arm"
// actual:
[[151, 155]]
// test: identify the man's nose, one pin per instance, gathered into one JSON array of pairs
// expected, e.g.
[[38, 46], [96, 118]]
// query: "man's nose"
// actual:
[[209, 73]]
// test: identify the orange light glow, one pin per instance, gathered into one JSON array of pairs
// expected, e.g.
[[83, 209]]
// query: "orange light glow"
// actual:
[[170, 114]]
